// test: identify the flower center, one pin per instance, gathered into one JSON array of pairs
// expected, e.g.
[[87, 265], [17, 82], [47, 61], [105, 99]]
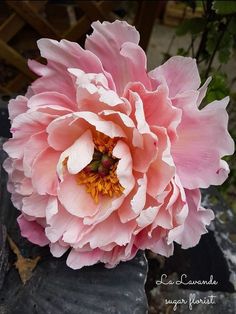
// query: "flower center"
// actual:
[[100, 176]]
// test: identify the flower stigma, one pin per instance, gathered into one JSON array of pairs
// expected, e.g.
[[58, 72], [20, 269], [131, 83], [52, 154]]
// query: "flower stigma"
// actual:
[[99, 176]]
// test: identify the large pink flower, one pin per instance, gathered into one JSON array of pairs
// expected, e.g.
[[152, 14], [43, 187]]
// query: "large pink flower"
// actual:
[[105, 158]]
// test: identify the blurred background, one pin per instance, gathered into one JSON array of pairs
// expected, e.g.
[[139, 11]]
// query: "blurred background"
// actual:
[[205, 30]]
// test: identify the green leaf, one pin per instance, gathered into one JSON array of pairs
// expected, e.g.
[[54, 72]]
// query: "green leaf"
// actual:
[[232, 25], [218, 88], [225, 48], [224, 7], [182, 52], [210, 44], [193, 26], [224, 55]]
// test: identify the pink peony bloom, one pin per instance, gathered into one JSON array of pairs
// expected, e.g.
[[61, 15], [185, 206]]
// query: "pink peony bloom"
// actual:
[[106, 159]]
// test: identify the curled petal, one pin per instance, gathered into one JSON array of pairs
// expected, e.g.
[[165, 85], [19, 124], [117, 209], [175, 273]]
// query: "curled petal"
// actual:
[[119, 41], [78, 156], [188, 234], [32, 231], [203, 140], [179, 73]]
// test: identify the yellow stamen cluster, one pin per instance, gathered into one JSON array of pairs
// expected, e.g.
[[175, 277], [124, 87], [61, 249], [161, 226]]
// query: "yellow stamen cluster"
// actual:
[[104, 143], [96, 182]]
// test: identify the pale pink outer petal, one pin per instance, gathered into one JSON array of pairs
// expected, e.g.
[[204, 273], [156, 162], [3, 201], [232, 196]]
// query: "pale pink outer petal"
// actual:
[[157, 242], [23, 127], [149, 148], [186, 98], [61, 56], [179, 73], [77, 259], [36, 144], [44, 175], [203, 140], [108, 231], [32, 231], [92, 93], [202, 91], [115, 44], [107, 207], [53, 78], [58, 250], [58, 224], [17, 106], [51, 99], [160, 246], [70, 55], [35, 205], [188, 234], [157, 107], [162, 169]]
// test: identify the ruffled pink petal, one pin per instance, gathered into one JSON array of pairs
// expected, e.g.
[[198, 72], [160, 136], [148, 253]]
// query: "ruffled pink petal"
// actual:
[[162, 169], [53, 78], [24, 187], [58, 224], [157, 107], [51, 99], [32, 231], [118, 41], [147, 216], [70, 55], [179, 73], [157, 242], [17, 106], [203, 140], [23, 127], [188, 234], [63, 131], [51, 209], [202, 91], [186, 98], [35, 205], [139, 199], [149, 144], [65, 54], [77, 259], [107, 207], [36, 144], [93, 94], [111, 230], [65, 228], [44, 175], [58, 250], [108, 128]]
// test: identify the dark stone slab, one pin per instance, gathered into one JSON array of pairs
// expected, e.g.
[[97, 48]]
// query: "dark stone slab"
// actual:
[[3, 254]]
